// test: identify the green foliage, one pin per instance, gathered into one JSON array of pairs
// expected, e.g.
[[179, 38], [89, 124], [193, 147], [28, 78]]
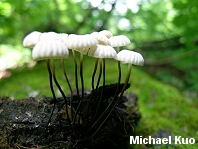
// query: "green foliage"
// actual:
[[157, 19], [185, 19]]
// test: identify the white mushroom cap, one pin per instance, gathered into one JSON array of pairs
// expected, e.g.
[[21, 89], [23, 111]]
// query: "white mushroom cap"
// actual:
[[80, 43], [102, 39], [131, 57], [107, 33], [102, 51], [50, 36], [120, 40], [63, 36], [31, 39], [49, 49]]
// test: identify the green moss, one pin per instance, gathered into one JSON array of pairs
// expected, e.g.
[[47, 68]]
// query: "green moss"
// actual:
[[163, 107]]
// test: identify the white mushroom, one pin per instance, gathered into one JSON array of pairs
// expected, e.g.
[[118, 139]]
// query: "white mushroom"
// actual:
[[80, 43], [107, 33], [102, 51], [50, 36], [119, 41], [49, 49], [102, 39], [130, 57], [124, 56], [31, 39]]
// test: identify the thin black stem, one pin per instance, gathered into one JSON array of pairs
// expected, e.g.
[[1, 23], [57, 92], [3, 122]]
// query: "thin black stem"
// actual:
[[111, 103], [93, 76], [116, 93], [71, 92], [99, 77], [92, 85], [76, 73], [122, 92], [101, 94], [52, 89], [63, 94], [98, 82], [119, 78], [82, 83]]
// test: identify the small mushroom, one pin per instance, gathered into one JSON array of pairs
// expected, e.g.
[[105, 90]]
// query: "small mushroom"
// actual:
[[50, 36], [31, 39], [125, 56], [50, 50], [101, 52], [130, 58], [119, 41], [102, 39], [80, 43], [107, 33]]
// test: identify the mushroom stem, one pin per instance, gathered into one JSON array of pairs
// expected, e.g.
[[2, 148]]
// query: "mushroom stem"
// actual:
[[117, 89], [122, 92], [94, 73], [98, 82], [99, 77], [105, 111], [51, 87], [118, 49], [126, 81], [92, 85], [76, 72], [101, 94], [119, 77], [63, 94], [71, 92], [82, 83]]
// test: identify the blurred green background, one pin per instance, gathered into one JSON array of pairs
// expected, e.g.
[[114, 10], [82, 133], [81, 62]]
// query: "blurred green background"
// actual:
[[164, 32]]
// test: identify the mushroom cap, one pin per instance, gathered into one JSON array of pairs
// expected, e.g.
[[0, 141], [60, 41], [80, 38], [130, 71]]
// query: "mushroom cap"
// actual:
[[80, 43], [62, 36], [120, 40], [107, 33], [102, 39], [131, 57], [50, 36], [49, 49], [31, 39], [102, 51]]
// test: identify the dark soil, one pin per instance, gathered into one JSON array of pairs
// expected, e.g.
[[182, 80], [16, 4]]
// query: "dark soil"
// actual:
[[24, 123]]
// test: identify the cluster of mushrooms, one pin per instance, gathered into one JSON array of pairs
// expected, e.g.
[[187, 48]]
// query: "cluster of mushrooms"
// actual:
[[100, 45]]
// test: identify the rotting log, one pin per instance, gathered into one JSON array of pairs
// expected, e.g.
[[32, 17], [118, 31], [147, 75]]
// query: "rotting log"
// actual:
[[23, 123]]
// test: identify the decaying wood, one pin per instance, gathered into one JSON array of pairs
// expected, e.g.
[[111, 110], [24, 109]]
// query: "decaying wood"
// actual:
[[23, 123]]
